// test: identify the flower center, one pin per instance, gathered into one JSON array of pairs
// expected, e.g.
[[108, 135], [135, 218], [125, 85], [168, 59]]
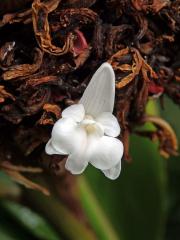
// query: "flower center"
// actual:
[[91, 126], [89, 117]]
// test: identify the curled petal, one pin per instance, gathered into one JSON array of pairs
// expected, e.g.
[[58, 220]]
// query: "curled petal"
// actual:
[[105, 152], [67, 137], [99, 94], [113, 172], [76, 112], [110, 124]]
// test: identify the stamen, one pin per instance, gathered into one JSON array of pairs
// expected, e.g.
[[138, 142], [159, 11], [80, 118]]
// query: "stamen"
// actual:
[[91, 128]]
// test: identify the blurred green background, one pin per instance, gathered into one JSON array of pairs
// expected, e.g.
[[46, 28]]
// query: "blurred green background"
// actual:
[[143, 204]]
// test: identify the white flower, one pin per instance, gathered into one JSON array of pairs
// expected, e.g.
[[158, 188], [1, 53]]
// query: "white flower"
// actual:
[[86, 132]]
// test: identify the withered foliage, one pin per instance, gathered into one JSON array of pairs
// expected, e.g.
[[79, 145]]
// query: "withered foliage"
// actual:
[[15, 173], [49, 51]]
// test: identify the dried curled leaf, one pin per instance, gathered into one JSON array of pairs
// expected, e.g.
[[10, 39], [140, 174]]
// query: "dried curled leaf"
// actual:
[[6, 55], [19, 178], [115, 38], [86, 33], [143, 25], [79, 3], [80, 15], [165, 134], [33, 82], [28, 140], [168, 82], [4, 94], [14, 172], [24, 70], [137, 66], [154, 6], [36, 100], [10, 18], [40, 13], [9, 166], [12, 5], [49, 110]]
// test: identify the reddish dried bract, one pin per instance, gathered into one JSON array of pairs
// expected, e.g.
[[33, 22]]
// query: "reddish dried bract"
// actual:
[[79, 43], [155, 89]]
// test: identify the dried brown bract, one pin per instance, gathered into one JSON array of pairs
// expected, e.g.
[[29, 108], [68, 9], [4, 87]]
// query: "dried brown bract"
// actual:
[[50, 111], [22, 17], [148, 5], [136, 67], [15, 173], [40, 13], [49, 51], [4, 95], [168, 143], [81, 15], [24, 70]]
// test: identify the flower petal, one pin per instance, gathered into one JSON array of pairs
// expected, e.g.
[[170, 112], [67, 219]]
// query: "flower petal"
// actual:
[[77, 162], [110, 124], [51, 150], [99, 94], [76, 112], [113, 172], [105, 152], [67, 136]]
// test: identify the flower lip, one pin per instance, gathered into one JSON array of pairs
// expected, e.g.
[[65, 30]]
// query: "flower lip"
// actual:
[[91, 126]]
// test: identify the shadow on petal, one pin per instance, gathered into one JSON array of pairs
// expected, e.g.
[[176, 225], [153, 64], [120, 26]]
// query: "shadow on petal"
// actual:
[[114, 172]]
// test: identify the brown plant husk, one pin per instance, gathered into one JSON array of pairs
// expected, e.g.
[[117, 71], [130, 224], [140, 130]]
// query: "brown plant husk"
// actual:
[[50, 49]]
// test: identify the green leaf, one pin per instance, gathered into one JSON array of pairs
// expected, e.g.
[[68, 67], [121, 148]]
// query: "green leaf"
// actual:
[[96, 215], [8, 187], [9, 229], [134, 204], [60, 216], [4, 235], [171, 113], [30, 220]]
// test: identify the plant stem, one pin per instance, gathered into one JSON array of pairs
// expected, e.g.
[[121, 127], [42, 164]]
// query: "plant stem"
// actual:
[[95, 214], [59, 216]]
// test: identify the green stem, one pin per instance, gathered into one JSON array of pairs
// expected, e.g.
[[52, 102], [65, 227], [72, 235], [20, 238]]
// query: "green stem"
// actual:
[[60, 217], [95, 214]]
